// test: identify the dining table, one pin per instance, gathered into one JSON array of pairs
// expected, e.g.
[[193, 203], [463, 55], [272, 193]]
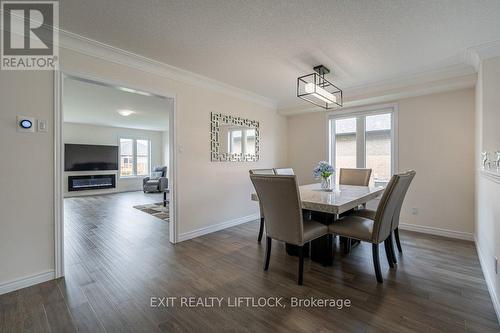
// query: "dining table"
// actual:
[[326, 206]]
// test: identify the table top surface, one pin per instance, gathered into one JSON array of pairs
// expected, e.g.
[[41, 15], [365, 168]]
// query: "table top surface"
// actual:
[[341, 199]]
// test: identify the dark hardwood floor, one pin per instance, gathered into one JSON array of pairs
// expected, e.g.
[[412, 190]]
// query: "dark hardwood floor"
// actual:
[[117, 258]]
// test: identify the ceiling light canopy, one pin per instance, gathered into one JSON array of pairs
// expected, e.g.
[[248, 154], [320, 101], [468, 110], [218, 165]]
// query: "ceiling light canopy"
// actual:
[[125, 112], [317, 90]]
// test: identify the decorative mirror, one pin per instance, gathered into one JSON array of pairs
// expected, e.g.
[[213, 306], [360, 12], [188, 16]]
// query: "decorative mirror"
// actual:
[[234, 139]]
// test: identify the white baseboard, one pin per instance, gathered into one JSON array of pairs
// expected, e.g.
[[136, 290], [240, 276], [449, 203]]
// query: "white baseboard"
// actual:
[[487, 278], [27, 281], [216, 227], [437, 231]]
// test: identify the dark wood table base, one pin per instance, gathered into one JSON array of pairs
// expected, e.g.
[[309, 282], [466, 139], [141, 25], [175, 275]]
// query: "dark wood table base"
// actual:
[[293, 250], [321, 249]]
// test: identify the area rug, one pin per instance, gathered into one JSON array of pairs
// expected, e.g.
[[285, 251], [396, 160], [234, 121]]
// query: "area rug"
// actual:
[[155, 209]]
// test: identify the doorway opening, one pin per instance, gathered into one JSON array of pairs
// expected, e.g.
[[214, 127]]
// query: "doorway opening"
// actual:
[[115, 171]]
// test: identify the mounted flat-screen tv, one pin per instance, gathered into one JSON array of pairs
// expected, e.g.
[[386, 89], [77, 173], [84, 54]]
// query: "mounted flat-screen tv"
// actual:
[[90, 157]]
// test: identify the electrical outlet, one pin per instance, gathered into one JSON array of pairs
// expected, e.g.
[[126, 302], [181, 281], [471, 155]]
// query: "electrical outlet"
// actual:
[[414, 211], [496, 265]]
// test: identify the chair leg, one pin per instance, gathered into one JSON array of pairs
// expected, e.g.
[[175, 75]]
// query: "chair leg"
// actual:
[[376, 263], [347, 245], [398, 243], [268, 253], [261, 229], [301, 265], [391, 247], [388, 253], [328, 259]]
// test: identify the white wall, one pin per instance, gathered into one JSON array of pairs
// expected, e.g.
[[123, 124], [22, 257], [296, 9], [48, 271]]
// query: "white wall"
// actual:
[[26, 181], [436, 138], [307, 143], [208, 193], [491, 104], [104, 135], [165, 155], [487, 212]]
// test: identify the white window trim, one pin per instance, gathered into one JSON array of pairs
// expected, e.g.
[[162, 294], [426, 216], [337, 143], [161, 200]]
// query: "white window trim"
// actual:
[[365, 111], [134, 156]]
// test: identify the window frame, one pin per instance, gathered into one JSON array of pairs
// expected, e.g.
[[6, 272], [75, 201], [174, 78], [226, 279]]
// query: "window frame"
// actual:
[[134, 157], [360, 113]]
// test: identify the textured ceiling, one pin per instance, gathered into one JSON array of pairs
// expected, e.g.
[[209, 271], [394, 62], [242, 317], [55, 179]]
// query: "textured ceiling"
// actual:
[[264, 45], [89, 103]]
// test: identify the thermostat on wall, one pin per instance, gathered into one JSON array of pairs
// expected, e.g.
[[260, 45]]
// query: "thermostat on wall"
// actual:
[[25, 124]]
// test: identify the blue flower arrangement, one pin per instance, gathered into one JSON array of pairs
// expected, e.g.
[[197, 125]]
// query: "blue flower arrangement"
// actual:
[[323, 170]]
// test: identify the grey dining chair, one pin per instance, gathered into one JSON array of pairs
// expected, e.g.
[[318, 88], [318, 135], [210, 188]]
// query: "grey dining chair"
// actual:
[[368, 213], [377, 230], [284, 171], [358, 177], [261, 172], [280, 199]]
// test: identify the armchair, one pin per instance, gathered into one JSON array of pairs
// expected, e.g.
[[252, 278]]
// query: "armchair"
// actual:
[[158, 182]]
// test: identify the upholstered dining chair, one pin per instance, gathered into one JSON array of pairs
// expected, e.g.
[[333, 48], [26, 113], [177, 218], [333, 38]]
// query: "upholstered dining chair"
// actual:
[[368, 213], [261, 172], [358, 177], [284, 171], [377, 230], [280, 199]]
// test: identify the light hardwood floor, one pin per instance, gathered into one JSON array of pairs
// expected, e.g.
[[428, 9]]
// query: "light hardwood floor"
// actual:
[[118, 257]]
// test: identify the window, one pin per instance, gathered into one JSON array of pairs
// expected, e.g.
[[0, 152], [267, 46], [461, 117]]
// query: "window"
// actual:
[[126, 157], [364, 140], [345, 143], [134, 157], [378, 146], [142, 157]]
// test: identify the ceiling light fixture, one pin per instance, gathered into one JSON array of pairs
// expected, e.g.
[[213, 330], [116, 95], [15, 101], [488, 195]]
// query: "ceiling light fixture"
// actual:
[[125, 112], [317, 90]]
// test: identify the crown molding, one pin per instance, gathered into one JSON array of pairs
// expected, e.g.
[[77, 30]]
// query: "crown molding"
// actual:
[[421, 78], [93, 48], [476, 54], [394, 91]]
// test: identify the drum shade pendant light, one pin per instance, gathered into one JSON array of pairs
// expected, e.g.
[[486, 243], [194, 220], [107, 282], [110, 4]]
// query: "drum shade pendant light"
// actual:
[[317, 90]]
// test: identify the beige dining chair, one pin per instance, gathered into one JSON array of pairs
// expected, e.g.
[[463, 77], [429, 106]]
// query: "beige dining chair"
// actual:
[[375, 230], [368, 213], [357, 177], [280, 199], [261, 172], [284, 171]]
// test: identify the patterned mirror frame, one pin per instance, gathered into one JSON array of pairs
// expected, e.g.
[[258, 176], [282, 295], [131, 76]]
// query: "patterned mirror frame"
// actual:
[[218, 119]]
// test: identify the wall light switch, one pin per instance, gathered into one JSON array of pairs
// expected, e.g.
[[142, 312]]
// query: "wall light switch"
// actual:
[[43, 126], [414, 211], [25, 124]]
